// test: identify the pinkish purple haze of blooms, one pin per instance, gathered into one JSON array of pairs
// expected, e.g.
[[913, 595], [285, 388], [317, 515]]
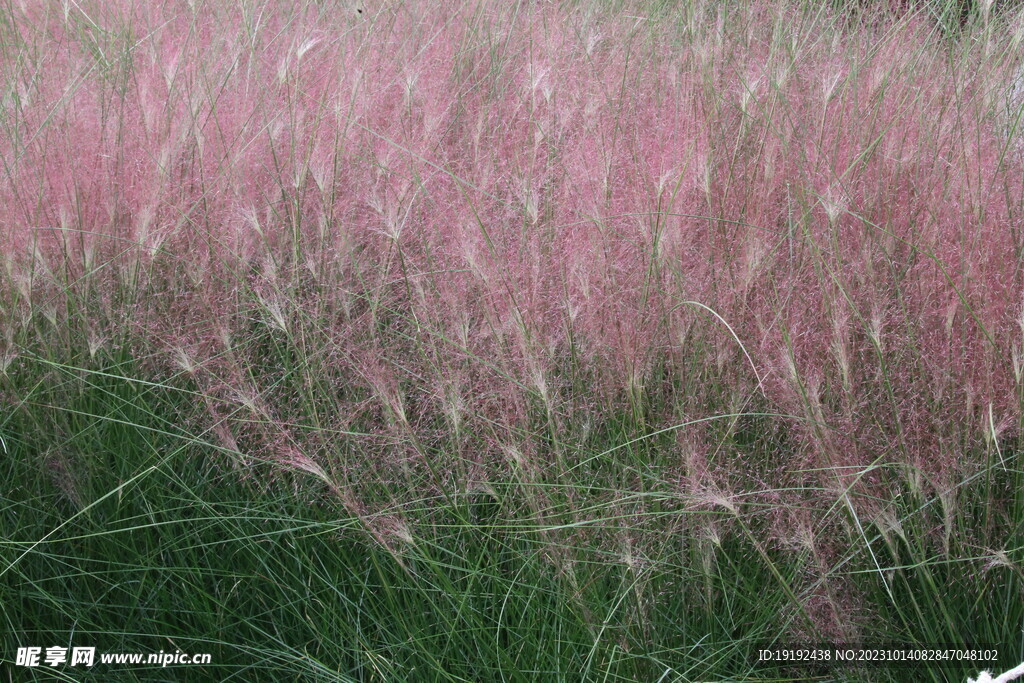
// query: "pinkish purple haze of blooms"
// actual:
[[475, 218]]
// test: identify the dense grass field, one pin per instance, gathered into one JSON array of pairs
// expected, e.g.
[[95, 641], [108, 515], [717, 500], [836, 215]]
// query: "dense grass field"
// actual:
[[462, 340]]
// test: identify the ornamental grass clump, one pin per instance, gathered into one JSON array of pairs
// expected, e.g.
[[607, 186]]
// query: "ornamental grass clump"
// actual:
[[739, 259]]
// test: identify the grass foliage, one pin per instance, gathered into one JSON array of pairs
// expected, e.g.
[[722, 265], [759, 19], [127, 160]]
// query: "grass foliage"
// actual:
[[472, 341]]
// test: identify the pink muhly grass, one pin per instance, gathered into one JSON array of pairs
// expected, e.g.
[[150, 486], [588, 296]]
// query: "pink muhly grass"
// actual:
[[503, 240]]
